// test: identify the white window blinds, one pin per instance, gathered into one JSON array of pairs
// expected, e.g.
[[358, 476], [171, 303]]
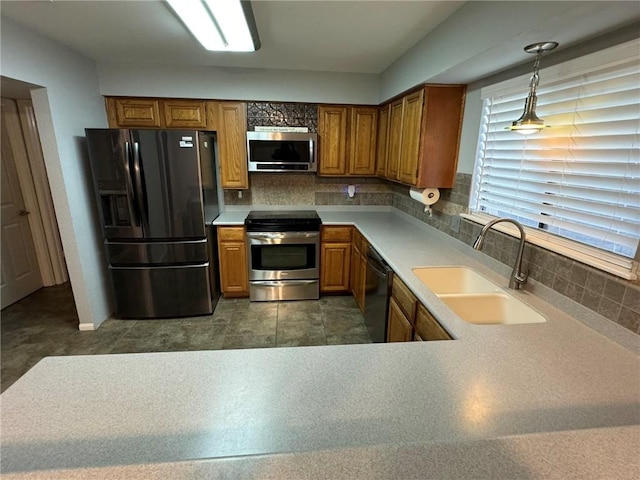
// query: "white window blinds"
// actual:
[[579, 179]]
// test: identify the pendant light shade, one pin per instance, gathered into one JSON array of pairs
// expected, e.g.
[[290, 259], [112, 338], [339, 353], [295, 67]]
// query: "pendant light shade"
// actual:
[[529, 122]]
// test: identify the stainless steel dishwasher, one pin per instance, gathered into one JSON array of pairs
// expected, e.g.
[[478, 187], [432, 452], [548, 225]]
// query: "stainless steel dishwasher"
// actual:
[[377, 293]]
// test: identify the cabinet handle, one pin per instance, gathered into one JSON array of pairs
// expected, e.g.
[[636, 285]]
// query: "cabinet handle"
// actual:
[[24, 213]]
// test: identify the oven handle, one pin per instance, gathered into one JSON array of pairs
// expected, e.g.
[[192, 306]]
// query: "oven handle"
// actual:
[[284, 283], [282, 235]]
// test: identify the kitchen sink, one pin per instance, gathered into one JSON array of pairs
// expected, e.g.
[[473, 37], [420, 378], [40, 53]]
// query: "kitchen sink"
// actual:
[[447, 280], [491, 309], [474, 298]]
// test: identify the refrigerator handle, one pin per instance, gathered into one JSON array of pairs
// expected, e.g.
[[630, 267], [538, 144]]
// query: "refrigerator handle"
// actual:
[[140, 197], [127, 169]]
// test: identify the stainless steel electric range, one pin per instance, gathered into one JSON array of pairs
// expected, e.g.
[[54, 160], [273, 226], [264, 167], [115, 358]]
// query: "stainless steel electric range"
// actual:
[[284, 255]]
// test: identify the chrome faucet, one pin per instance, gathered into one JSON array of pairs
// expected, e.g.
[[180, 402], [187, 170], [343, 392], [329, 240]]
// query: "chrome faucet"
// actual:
[[518, 279]]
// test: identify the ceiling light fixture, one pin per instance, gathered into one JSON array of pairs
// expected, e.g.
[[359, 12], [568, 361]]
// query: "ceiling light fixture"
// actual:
[[226, 26], [529, 122]]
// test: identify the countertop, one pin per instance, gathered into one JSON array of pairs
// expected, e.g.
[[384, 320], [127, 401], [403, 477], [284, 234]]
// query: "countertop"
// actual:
[[559, 399]]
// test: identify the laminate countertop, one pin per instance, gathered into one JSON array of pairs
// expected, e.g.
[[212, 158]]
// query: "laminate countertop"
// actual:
[[559, 399]]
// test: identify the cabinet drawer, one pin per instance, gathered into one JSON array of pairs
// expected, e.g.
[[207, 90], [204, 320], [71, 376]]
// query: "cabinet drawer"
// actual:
[[336, 234], [405, 299], [427, 327], [231, 234]]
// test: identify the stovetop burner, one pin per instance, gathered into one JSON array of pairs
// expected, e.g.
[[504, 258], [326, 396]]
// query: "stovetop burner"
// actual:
[[282, 221]]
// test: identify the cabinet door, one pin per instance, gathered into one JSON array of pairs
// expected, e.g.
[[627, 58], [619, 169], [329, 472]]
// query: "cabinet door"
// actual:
[[332, 132], [184, 113], [232, 144], [335, 262], [411, 128], [133, 113], [398, 328], [361, 277], [441, 126], [428, 327], [382, 144], [353, 277], [234, 276], [395, 139], [362, 141]]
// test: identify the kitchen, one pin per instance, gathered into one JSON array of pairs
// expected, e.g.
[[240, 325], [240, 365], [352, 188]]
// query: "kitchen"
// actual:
[[92, 305]]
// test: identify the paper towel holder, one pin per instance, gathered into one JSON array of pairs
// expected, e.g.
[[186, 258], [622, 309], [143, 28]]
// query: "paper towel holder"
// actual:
[[426, 196]]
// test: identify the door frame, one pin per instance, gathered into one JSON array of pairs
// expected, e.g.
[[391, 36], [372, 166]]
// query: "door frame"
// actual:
[[19, 118]]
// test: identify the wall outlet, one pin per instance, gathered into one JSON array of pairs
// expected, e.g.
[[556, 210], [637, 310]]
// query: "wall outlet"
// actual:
[[455, 223]]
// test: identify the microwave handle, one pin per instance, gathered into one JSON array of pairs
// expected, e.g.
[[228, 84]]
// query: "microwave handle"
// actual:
[[312, 157]]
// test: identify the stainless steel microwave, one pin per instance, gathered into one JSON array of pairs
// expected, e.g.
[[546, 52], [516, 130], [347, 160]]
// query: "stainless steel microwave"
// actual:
[[282, 152]]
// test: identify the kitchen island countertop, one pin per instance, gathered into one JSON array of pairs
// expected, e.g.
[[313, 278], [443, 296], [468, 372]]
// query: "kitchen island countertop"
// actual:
[[553, 400]]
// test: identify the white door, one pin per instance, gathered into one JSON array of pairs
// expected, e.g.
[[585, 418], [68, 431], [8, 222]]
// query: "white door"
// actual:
[[20, 274]]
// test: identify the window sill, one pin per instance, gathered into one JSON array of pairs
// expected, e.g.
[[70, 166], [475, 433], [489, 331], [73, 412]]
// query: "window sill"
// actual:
[[613, 264]]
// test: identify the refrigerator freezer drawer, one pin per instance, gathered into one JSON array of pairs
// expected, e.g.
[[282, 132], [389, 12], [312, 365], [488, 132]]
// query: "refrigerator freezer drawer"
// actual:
[[162, 292], [165, 253]]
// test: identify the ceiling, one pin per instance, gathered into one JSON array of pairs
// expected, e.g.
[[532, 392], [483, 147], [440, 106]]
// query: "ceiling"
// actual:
[[362, 36], [333, 36]]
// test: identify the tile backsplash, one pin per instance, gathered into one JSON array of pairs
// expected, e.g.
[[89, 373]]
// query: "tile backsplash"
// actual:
[[309, 189], [272, 114], [612, 297]]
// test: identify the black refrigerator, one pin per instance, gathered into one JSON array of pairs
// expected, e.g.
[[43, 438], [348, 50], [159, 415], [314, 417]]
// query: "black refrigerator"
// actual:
[[156, 193]]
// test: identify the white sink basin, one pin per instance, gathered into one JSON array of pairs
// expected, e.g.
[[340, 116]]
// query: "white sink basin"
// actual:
[[491, 309], [447, 280], [474, 298]]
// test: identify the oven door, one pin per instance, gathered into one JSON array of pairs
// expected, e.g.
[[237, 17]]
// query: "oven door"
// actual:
[[283, 255]]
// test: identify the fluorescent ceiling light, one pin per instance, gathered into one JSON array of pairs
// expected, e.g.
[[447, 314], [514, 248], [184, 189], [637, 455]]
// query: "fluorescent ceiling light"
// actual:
[[219, 25]]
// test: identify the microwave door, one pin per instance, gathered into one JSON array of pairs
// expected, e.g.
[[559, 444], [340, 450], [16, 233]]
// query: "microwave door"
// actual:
[[169, 180], [111, 157]]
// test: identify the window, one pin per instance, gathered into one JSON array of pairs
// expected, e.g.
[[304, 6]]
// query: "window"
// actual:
[[575, 185]]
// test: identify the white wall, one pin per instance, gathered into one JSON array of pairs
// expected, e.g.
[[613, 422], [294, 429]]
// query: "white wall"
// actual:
[[126, 79], [493, 33], [470, 129], [68, 102]]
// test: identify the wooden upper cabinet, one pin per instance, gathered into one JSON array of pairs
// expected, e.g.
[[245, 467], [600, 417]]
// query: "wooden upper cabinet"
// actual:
[[332, 133], [348, 137], [231, 124], [424, 136], [383, 138], [185, 114], [133, 112], [440, 141], [394, 139], [362, 140], [410, 143]]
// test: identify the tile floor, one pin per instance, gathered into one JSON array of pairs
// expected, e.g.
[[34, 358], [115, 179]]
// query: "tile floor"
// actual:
[[46, 324]]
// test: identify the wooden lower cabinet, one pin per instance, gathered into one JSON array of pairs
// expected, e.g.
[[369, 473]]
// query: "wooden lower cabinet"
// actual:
[[232, 251], [410, 320], [335, 263], [335, 259], [427, 327], [399, 328], [359, 268]]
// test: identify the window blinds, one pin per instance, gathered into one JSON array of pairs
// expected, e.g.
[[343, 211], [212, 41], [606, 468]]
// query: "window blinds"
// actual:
[[580, 179]]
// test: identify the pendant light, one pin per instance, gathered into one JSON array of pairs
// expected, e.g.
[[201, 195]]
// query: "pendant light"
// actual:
[[529, 122]]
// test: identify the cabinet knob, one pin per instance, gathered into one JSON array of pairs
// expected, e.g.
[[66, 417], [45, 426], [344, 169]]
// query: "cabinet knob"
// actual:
[[24, 213]]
